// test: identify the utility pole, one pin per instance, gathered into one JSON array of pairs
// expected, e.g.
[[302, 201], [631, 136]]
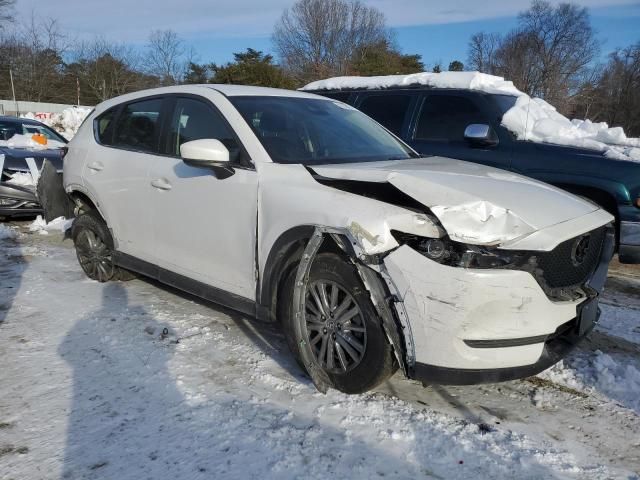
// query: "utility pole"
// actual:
[[13, 90], [78, 89]]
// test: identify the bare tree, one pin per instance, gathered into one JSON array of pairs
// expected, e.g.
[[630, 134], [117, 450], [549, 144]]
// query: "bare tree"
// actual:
[[167, 57], [614, 96], [106, 69], [34, 53], [318, 38], [482, 51]]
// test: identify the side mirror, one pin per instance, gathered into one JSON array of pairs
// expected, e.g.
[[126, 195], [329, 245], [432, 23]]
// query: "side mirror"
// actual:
[[480, 135], [205, 153]]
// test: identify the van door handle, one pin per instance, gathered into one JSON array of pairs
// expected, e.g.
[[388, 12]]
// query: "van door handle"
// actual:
[[161, 183], [96, 166]]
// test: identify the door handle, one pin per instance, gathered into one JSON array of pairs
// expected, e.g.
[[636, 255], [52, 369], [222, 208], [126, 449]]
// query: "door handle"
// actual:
[[95, 166], [161, 184]]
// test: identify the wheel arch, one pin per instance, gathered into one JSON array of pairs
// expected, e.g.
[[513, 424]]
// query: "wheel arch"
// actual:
[[286, 254]]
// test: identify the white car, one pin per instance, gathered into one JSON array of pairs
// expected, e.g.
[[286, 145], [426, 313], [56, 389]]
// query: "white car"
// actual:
[[299, 209]]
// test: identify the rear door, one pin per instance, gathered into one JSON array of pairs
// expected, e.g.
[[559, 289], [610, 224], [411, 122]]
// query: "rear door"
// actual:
[[204, 222], [439, 125], [116, 171]]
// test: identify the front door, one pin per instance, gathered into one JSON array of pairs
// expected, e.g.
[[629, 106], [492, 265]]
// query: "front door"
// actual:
[[204, 222], [440, 124]]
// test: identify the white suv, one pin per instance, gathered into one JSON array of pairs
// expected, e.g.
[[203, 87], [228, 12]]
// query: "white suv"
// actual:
[[296, 208]]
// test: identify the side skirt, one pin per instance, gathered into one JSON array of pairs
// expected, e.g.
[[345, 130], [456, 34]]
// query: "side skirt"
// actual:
[[186, 284]]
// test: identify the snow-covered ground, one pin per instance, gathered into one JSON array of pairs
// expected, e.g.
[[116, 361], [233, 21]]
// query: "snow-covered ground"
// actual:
[[530, 119], [134, 380]]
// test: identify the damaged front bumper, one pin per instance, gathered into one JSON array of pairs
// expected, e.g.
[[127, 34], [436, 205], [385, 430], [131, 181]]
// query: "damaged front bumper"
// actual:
[[18, 201], [487, 325]]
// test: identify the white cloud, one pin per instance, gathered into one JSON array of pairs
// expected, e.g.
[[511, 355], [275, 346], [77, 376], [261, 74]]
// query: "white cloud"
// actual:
[[131, 20]]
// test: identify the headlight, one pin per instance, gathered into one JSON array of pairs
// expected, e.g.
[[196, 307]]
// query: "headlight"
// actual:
[[455, 254]]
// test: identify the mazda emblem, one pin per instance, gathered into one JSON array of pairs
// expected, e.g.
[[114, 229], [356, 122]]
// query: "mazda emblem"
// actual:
[[580, 250]]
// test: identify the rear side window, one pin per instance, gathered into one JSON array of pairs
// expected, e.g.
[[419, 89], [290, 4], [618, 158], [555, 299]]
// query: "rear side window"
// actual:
[[445, 117], [194, 120], [388, 110], [104, 126], [138, 126]]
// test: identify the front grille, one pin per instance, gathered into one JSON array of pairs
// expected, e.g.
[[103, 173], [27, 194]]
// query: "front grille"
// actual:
[[564, 267]]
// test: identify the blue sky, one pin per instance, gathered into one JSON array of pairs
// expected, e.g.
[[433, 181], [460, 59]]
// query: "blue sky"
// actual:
[[438, 30]]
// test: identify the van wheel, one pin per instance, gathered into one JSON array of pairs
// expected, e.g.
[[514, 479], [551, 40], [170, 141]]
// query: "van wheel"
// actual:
[[340, 325], [94, 248]]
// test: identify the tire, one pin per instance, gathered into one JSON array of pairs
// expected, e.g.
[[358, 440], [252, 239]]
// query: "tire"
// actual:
[[350, 369], [94, 248]]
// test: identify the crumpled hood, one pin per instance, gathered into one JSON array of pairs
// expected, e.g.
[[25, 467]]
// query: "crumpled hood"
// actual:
[[475, 204]]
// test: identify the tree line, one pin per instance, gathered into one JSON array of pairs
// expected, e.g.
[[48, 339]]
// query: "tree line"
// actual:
[[551, 53]]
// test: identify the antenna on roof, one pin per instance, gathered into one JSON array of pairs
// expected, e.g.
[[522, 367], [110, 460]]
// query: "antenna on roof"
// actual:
[[526, 123]]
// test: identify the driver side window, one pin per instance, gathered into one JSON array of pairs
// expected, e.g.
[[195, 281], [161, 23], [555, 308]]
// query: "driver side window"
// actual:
[[195, 120]]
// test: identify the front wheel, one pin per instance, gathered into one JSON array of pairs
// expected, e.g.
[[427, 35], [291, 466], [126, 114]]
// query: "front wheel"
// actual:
[[340, 326]]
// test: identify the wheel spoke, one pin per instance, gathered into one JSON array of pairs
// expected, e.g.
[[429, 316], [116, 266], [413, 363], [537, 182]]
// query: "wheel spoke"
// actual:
[[312, 308], [334, 297], [330, 355], [354, 342], [353, 328], [323, 296], [348, 315], [341, 357], [316, 298], [316, 339], [346, 303], [344, 344], [323, 351]]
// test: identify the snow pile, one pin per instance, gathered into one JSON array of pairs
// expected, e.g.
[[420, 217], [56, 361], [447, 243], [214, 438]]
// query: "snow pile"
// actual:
[[26, 141], [23, 179], [66, 123], [59, 224], [617, 380], [529, 119], [537, 121], [463, 80], [6, 232]]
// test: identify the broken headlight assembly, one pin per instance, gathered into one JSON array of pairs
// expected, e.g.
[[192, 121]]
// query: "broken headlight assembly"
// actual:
[[456, 254]]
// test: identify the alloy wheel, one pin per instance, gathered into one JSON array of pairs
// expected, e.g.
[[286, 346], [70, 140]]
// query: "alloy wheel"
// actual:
[[95, 257], [336, 328]]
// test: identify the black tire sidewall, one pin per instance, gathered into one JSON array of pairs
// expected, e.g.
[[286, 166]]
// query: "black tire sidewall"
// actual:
[[90, 221]]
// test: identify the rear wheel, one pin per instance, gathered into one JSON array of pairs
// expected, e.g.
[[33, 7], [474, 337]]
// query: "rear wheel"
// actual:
[[340, 326], [94, 248]]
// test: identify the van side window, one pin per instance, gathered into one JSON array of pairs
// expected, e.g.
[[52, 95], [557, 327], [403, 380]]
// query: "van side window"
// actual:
[[138, 126], [388, 110], [194, 120], [445, 117], [104, 126]]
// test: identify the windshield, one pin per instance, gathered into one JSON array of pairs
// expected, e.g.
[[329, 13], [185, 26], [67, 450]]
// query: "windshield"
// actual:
[[9, 129], [314, 131]]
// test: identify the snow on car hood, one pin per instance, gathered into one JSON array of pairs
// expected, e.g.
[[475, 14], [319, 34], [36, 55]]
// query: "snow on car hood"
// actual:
[[475, 204]]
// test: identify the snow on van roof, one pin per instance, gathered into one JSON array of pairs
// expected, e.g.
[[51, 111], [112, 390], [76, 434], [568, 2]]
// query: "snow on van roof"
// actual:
[[464, 80], [529, 119]]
